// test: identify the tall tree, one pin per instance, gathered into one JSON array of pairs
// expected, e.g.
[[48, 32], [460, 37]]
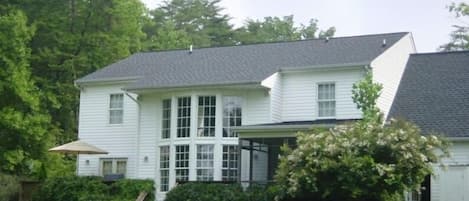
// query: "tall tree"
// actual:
[[198, 21], [74, 38], [460, 36], [272, 29], [24, 124]]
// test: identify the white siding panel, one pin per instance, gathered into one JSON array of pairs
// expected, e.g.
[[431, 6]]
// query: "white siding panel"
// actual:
[[274, 83], [256, 108], [94, 128], [388, 69], [299, 97]]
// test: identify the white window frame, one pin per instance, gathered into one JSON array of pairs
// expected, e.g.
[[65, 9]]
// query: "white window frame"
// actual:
[[114, 165], [205, 163], [205, 126], [185, 152], [166, 131], [111, 109], [326, 100], [165, 154], [227, 159], [228, 117], [181, 118]]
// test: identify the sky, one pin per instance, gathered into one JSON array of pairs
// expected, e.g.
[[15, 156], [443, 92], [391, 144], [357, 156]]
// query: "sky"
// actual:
[[429, 20]]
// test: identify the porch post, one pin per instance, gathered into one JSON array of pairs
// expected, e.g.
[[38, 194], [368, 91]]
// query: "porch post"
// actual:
[[251, 147]]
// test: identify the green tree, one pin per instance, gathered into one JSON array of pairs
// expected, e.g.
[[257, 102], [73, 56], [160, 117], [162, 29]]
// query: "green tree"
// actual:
[[199, 22], [23, 122], [273, 29], [460, 36], [356, 162]]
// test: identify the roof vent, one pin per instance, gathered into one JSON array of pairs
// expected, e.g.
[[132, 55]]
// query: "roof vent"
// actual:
[[384, 42], [190, 49], [327, 39]]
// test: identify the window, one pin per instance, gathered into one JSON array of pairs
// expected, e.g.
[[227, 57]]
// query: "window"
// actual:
[[326, 100], [184, 117], [113, 166], [231, 115], [204, 162], [164, 168], [182, 163], [230, 163], [116, 108], [166, 119], [206, 119]]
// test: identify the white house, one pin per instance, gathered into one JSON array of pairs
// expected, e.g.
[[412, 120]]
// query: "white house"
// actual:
[[434, 94], [221, 113]]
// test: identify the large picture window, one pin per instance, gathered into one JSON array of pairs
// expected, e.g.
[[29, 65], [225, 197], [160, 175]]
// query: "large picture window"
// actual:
[[231, 115], [116, 108], [166, 119], [230, 163], [164, 168], [326, 100], [205, 162], [182, 163], [206, 120], [184, 117]]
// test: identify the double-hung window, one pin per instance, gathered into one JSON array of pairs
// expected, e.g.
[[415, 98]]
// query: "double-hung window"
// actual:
[[206, 120], [182, 163], [231, 115], [113, 166], [205, 162], [184, 117], [164, 168], [326, 100], [230, 163], [166, 119], [116, 108]]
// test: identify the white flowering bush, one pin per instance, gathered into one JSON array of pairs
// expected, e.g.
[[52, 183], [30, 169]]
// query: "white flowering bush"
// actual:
[[362, 161]]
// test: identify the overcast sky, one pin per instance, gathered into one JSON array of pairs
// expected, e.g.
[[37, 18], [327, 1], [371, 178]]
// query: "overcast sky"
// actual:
[[429, 20]]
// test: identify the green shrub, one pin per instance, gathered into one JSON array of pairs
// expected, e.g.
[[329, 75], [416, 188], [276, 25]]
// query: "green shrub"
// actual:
[[256, 192], [9, 187], [129, 189], [195, 191]]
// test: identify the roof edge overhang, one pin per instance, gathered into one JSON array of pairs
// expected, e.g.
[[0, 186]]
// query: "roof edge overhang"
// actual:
[[139, 90], [325, 67], [458, 139], [112, 80]]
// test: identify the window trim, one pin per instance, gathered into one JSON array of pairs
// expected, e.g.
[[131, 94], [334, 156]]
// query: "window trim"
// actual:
[[163, 119], [113, 166], [327, 100], [168, 161], [202, 116], [189, 117], [115, 109], [229, 127], [176, 168]]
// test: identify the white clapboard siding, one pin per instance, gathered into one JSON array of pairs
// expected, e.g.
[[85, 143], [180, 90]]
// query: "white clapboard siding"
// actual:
[[388, 69], [256, 108], [299, 93], [94, 128]]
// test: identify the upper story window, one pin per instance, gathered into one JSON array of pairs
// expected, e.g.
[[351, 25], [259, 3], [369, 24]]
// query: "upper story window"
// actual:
[[206, 120], [205, 162], [164, 168], [166, 119], [326, 100], [231, 115], [116, 108], [184, 117], [113, 166]]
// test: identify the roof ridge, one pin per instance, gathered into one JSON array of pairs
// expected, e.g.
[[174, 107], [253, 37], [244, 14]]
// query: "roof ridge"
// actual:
[[443, 52], [273, 42]]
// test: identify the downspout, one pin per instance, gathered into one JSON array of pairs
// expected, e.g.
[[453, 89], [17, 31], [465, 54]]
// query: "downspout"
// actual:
[[137, 163]]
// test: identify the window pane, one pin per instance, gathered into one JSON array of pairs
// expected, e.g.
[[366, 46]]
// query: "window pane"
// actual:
[[232, 113], [182, 162], [116, 108], [166, 119], [206, 116], [184, 116], [164, 168], [107, 167], [205, 162], [326, 100], [230, 163], [121, 167]]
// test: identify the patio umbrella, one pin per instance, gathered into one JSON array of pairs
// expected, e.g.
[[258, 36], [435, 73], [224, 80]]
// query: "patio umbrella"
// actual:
[[78, 147]]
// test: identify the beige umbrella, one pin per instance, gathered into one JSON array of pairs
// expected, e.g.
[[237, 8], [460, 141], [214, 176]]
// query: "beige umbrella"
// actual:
[[78, 147]]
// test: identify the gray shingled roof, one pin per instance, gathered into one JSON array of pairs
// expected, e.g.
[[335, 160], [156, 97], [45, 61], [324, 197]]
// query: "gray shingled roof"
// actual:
[[434, 93], [241, 64]]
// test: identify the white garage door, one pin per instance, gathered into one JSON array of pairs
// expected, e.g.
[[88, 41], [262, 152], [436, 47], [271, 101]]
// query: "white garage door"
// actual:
[[451, 184]]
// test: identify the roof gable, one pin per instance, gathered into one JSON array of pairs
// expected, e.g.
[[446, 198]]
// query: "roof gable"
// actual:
[[434, 93], [241, 64]]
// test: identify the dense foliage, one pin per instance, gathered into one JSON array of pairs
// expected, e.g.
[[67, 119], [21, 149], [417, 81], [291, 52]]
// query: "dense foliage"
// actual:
[[460, 36], [364, 160], [73, 188], [9, 187]]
